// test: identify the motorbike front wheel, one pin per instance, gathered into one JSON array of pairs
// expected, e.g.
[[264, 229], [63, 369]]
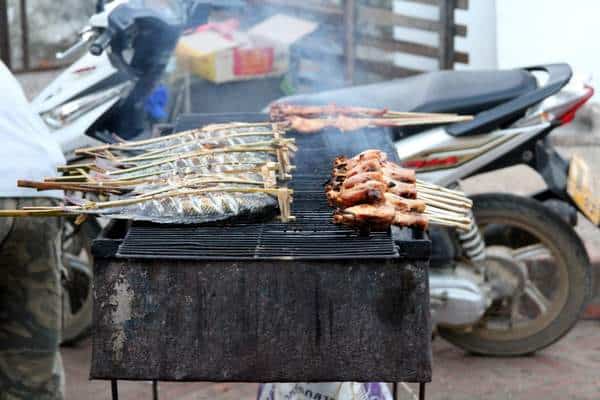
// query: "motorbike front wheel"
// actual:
[[77, 279], [541, 265]]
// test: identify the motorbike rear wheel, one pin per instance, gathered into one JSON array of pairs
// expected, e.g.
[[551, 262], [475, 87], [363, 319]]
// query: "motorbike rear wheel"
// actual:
[[515, 228]]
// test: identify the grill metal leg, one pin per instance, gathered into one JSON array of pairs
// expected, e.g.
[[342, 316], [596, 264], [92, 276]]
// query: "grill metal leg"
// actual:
[[114, 389], [154, 390], [421, 391], [395, 390]]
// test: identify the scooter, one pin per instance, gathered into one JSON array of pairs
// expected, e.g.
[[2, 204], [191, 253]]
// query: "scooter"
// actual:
[[104, 91], [519, 278], [123, 53]]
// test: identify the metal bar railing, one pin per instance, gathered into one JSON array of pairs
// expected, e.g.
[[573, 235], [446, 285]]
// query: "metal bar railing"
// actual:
[[25, 35], [446, 34], [4, 34]]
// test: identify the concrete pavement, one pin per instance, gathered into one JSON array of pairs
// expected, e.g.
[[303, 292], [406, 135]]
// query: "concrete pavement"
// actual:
[[569, 369]]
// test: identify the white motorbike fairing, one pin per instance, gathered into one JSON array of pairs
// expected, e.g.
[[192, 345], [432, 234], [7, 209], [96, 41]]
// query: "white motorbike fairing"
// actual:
[[85, 73]]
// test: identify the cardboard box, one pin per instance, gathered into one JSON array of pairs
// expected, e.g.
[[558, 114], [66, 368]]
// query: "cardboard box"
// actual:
[[281, 31], [207, 54], [263, 51]]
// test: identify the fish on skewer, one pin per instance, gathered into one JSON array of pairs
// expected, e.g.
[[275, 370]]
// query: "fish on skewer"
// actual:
[[206, 175], [181, 205], [229, 133]]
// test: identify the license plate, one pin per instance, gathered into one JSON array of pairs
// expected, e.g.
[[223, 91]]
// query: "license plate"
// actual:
[[583, 189]]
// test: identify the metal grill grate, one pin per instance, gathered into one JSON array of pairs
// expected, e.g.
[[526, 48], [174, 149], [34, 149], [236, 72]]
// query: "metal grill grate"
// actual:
[[311, 236]]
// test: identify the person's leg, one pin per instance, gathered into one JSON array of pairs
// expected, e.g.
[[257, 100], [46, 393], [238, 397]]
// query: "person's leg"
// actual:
[[30, 306]]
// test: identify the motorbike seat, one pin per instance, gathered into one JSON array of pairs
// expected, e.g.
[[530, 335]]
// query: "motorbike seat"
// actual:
[[463, 92]]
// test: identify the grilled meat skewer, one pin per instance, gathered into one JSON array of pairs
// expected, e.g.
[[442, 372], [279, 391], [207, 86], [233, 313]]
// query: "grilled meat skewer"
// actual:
[[280, 111], [402, 204], [400, 188], [346, 124], [378, 217], [365, 155], [391, 170], [310, 119], [368, 192], [371, 191]]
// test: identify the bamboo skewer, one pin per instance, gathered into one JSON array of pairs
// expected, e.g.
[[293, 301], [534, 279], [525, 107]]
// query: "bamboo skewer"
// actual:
[[441, 194], [264, 147], [208, 153], [282, 194], [208, 128], [442, 203], [187, 143], [278, 147], [269, 164], [250, 146], [280, 110], [118, 186], [374, 122], [181, 165], [134, 174], [443, 189], [205, 141], [34, 213], [444, 222]]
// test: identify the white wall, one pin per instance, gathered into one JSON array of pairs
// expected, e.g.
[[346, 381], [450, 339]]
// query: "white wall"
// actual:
[[545, 31], [480, 41], [514, 33]]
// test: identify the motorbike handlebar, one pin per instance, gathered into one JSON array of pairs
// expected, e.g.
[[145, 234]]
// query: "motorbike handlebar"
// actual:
[[100, 6], [71, 50], [101, 42]]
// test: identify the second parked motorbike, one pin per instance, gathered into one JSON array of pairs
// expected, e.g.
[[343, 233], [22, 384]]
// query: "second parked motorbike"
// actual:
[[519, 278]]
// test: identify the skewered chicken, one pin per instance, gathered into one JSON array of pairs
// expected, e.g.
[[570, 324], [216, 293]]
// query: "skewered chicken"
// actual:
[[280, 111], [368, 192], [392, 170], [371, 191], [378, 217], [308, 119]]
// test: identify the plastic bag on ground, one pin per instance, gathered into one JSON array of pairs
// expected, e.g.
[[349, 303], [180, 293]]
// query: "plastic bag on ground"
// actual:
[[324, 391]]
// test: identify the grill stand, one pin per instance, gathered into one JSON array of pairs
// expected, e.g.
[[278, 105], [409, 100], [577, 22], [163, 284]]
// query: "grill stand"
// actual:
[[107, 246], [400, 329]]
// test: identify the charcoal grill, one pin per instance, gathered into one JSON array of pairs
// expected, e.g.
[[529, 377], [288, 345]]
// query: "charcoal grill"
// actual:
[[265, 302]]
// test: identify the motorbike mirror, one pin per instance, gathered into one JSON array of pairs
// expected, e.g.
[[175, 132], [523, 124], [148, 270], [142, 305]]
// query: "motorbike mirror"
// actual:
[[218, 4], [228, 4], [198, 14], [199, 10], [100, 6]]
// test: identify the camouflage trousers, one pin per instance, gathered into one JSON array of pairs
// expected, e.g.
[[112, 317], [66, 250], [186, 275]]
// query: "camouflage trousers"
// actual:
[[30, 305]]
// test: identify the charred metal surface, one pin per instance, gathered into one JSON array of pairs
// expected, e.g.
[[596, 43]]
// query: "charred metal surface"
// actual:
[[261, 321]]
